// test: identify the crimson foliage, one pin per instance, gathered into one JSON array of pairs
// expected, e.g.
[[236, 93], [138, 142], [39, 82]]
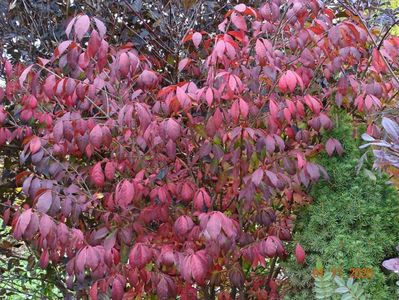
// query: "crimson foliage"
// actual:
[[143, 187]]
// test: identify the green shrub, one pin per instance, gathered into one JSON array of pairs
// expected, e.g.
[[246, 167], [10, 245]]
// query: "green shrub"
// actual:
[[352, 223]]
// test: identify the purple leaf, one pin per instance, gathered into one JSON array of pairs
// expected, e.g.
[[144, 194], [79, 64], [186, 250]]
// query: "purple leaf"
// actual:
[[391, 264], [391, 127]]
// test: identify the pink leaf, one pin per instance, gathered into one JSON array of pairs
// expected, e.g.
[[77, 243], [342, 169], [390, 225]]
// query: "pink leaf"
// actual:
[[109, 170], [35, 144], [101, 27], [239, 21], [273, 108], [22, 223], [124, 64], [148, 78], [244, 109], [24, 74], [92, 258], [235, 111], [197, 38], [240, 7], [46, 225], [291, 80], [330, 146], [391, 264], [61, 48], [80, 260], [172, 129], [69, 26], [257, 176], [183, 225], [202, 201], [260, 49], [282, 83], [44, 259], [44, 201], [81, 26], [183, 63], [209, 96]]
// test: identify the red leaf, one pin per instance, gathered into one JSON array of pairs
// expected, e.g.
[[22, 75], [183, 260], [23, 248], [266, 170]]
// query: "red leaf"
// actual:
[[378, 62], [110, 170], [166, 288], [202, 201], [300, 254], [301, 161], [140, 255], [107, 136], [94, 292], [96, 136], [48, 86], [124, 193], [183, 225], [118, 289], [197, 38], [81, 26], [124, 64], [195, 266], [97, 175], [213, 226], [94, 43], [187, 192]]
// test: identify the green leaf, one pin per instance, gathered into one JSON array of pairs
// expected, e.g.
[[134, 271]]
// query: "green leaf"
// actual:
[[342, 289]]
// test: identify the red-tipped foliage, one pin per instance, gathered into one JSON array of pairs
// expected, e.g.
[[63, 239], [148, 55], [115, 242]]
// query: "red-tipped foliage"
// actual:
[[140, 186]]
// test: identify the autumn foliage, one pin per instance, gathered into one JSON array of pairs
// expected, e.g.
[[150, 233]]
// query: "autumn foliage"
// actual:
[[141, 186]]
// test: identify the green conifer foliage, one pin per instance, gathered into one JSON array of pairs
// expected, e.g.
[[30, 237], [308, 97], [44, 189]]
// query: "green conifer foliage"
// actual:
[[353, 222]]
